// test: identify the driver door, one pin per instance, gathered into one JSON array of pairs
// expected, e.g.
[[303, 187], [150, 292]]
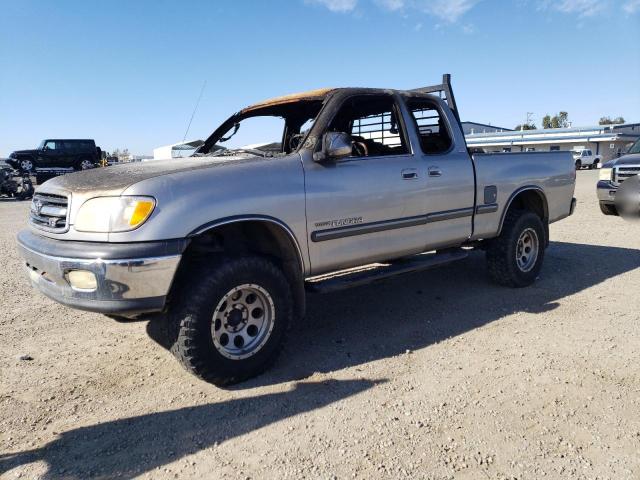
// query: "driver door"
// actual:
[[51, 154], [366, 207]]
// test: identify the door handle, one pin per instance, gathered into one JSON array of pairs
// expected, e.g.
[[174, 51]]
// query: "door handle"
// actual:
[[409, 173], [435, 172]]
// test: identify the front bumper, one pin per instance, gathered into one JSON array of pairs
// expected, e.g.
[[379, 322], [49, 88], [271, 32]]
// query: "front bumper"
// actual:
[[131, 278], [606, 192]]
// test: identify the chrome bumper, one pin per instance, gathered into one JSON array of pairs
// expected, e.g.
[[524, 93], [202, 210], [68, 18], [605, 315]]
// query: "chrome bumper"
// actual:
[[126, 287]]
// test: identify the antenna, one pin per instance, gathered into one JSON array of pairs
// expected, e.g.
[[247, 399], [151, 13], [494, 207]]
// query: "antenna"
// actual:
[[528, 121], [194, 111]]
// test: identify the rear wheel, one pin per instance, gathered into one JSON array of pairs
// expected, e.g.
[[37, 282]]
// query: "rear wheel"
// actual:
[[515, 258], [84, 164], [229, 322]]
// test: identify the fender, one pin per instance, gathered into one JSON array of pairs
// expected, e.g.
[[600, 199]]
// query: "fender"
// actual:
[[512, 197], [246, 218]]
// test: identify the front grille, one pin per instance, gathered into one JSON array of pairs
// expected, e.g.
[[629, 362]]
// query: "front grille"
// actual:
[[623, 172], [50, 212]]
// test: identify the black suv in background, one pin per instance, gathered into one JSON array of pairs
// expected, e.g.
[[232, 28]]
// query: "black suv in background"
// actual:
[[54, 154]]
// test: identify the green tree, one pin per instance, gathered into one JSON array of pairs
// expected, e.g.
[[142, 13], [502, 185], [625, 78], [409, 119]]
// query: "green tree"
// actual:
[[526, 126], [609, 121], [561, 120]]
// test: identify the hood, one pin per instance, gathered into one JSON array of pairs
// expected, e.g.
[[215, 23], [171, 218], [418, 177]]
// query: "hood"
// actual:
[[19, 152], [117, 178], [631, 159]]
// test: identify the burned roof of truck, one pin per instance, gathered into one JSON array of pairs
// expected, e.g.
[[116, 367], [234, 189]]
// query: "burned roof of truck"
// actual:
[[317, 94]]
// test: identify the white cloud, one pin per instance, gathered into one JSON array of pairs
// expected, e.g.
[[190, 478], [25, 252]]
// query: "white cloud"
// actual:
[[341, 6], [392, 4], [582, 8], [632, 6], [448, 10]]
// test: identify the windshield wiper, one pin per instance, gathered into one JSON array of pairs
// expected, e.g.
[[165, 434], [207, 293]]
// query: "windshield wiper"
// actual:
[[227, 152], [231, 151]]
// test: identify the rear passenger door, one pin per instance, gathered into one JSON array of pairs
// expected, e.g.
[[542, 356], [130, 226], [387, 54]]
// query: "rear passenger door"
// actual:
[[448, 170], [69, 153]]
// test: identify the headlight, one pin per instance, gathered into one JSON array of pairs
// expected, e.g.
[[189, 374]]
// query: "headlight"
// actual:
[[606, 173], [113, 214]]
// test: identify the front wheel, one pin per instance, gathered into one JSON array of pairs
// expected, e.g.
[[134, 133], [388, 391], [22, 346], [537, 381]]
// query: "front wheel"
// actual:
[[26, 165], [578, 164], [514, 259], [608, 209], [228, 323]]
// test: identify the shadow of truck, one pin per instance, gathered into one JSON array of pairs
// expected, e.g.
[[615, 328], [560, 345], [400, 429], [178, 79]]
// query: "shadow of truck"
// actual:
[[128, 447], [372, 322]]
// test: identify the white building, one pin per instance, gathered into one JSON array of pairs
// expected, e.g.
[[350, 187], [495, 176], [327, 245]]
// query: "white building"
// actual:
[[181, 149], [607, 141], [475, 127]]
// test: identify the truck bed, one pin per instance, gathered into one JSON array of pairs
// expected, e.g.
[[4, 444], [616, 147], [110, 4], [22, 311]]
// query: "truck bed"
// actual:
[[551, 172]]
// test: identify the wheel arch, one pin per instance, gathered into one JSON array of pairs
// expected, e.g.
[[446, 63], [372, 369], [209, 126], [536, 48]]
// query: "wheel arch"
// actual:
[[253, 234], [531, 198]]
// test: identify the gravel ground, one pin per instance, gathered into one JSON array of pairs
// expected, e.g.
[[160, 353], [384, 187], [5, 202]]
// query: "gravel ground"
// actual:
[[434, 375]]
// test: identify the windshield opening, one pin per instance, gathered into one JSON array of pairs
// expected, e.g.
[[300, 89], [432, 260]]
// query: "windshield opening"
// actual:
[[270, 131], [635, 148]]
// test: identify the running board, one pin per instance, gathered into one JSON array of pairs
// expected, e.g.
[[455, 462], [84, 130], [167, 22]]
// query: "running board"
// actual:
[[374, 273]]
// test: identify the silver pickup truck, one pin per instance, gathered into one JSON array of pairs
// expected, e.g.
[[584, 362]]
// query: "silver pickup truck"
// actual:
[[357, 185]]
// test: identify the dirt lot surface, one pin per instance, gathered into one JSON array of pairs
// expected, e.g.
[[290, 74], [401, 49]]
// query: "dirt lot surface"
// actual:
[[433, 375]]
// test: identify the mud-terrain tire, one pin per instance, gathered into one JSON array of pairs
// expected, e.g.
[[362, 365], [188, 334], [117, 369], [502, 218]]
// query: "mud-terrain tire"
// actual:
[[203, 311], [506, 254]]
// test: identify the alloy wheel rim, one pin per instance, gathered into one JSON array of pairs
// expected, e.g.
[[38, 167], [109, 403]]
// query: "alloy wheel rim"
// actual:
[[527, 250], [26, 165], [86, 165], [242, 321]]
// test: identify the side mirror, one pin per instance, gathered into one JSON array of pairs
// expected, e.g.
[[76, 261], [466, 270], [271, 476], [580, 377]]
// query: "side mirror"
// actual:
[[335, 145]]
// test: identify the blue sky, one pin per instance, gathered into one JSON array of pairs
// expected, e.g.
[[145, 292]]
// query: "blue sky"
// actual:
[[128, 73]]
